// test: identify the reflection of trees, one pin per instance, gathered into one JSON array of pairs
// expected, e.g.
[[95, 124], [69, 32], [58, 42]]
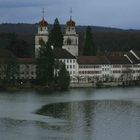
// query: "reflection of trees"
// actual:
[[55, 110], [80, 115], [88, 110], [126, 76]]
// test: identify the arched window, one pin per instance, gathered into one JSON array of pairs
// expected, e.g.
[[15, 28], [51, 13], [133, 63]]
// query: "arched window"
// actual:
[[69, 41]]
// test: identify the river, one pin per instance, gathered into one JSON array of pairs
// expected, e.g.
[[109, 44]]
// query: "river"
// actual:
[[77, 114]]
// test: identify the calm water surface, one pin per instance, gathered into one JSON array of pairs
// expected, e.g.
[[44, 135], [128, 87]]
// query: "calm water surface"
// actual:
[[78, 114]]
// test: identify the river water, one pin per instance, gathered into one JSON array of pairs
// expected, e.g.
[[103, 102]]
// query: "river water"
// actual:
[[78, 114]]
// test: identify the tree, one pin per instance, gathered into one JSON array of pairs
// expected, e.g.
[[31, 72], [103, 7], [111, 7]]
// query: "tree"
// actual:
[[19, 48], [89, 48], [63, 77], [45, 65], [56, 36], [11, 70], [9, 67]]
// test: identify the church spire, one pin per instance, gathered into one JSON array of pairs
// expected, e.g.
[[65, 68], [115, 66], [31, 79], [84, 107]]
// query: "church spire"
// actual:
[[43, 22], [70, 13], [43, 13], [70, 23]]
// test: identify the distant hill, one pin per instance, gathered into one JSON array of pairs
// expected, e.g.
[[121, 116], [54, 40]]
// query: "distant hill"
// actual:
[[22, 28], [105, 38]]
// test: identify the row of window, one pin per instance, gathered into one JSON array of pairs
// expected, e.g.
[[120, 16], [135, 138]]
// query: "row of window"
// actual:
[[70, 66], [89, 72], [27, 66], [105, 69], [113, 66], [89, 66], [68, 60], [71, 72], [125, 71], [28, 72]]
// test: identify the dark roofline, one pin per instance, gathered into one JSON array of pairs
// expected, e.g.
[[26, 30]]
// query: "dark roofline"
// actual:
[[60, 53]]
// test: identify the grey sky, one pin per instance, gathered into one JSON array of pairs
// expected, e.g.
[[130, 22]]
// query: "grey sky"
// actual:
[[110, 13]]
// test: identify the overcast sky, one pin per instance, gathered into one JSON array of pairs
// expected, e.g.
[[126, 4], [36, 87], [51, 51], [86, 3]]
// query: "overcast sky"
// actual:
[[110, 13]]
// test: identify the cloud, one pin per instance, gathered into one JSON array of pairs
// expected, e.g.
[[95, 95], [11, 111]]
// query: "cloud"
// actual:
[[115, 13], [29, 3]]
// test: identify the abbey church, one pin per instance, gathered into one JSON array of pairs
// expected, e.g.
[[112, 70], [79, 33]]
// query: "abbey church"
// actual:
[[70, 42]]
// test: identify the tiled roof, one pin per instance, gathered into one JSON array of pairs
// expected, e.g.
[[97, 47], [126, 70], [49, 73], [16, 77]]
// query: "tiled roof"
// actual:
[[26, 60], [60, 53], [115, 53], [133, 58], [70, 23], [118, 60], [43, 23], [92, 60], [137, 53], [5, 56]]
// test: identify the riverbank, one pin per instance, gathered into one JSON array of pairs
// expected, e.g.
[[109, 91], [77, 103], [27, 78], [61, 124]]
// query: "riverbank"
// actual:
[[51, 88], [105, 84]]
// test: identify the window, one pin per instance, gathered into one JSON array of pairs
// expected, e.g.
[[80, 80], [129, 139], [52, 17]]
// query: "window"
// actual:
[[69, 41], [32, 73]]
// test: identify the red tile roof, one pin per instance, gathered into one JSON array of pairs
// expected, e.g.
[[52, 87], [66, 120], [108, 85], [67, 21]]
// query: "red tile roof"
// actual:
[[26, 60], [86, 60]]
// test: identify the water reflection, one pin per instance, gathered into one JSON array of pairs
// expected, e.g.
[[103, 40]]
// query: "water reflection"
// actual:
[[87, 114], [98, 119]]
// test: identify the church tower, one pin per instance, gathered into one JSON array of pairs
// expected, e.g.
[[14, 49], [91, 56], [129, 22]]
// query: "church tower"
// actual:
[[42, 35], [70, 42]]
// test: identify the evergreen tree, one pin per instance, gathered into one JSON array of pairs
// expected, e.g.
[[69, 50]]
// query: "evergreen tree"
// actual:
[[56, 36], [89, 48], [9, 67], [63, 77], [45, 64]]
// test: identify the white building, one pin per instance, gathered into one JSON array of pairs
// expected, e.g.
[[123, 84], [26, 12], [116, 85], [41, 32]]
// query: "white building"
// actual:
[[71, 38], [27, 68], [109, 68], [42, 35], [69, 60]]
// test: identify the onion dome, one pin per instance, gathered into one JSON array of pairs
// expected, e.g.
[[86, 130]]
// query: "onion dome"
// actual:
[[71, 23], [43, 23]]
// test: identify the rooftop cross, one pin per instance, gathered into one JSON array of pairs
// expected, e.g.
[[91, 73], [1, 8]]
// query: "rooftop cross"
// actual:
[[70, 13], [43, 13]]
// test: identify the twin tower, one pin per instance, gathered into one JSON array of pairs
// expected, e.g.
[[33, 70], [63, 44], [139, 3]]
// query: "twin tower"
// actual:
[[70, 42]]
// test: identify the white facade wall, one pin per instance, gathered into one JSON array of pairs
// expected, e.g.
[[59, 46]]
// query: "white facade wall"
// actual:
[[43, 35], [136, 71], [72, 68], [71, 41], [27, 71], [116, 72], [89, 73]]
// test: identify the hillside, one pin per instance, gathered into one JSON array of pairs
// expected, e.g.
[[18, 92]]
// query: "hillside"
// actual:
[[22, 28], [105, 38]]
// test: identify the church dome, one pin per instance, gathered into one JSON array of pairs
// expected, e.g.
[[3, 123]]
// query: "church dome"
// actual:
[[70, 23], [43, 23]]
